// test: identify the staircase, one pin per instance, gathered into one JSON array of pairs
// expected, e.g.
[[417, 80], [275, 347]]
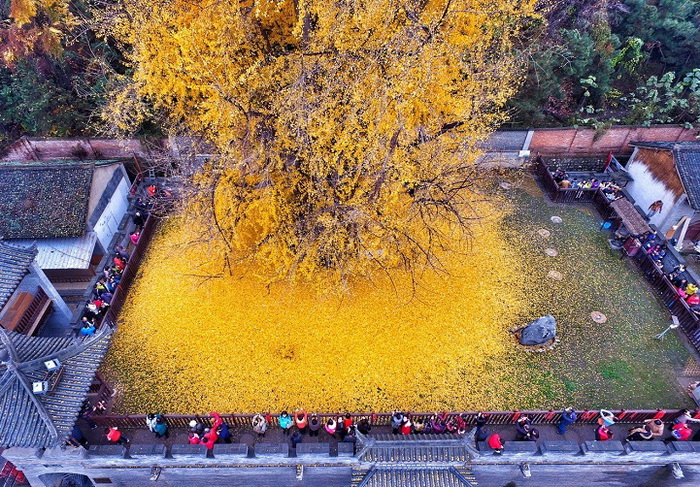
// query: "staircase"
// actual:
[[423, 448], [425, 476]]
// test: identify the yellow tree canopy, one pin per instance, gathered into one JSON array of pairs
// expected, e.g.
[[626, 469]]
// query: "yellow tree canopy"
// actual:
[[347, 129]]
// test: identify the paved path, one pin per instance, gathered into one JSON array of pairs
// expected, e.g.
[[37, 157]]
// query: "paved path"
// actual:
[[577, 433]]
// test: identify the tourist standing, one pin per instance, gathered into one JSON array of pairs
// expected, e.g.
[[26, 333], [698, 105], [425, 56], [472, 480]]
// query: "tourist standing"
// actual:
[[314, 425], [160, 427], [296, 438], [150, 421], [481, 434], [115, 436], [495, 442], [523, 425], [301, 420], [285, 422], [568, 416], [679, 432], [396, 421], [331, 427], [259, 425], [655, 208]]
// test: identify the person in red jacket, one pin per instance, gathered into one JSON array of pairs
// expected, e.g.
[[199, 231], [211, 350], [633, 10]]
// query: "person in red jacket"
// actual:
[[406, 426], [495, 442], [347, 422], [603, 433], [211, 435], [301, 420], [679, 432], [115, 436]]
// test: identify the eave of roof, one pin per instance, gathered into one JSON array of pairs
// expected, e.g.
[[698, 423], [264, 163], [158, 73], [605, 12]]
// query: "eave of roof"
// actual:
[[14, 265], [62, 253], [42, 421]]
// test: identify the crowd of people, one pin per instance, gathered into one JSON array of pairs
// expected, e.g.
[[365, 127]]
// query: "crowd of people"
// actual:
[[343, 427], [610, 188], [103, 291], [201, 435]]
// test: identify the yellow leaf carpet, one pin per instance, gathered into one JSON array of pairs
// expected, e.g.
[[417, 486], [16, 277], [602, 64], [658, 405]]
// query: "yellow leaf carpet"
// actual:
[[188, 343]]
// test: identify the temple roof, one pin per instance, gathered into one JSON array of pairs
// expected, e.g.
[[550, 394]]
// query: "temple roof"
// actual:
[[41, 201], [14, 265], [45, 420]]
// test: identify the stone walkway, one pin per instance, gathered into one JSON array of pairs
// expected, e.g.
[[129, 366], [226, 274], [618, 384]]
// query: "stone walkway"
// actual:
[[577, 433]]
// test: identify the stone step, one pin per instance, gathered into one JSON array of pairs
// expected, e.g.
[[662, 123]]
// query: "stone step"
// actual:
[[416, 454], [427, 437]]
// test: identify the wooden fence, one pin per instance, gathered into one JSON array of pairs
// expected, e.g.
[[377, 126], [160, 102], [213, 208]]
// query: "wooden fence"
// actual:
[[384, 419], [129, 274]]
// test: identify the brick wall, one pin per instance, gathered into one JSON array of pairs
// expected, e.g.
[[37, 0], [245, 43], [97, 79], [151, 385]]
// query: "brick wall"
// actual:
[[616, 139]]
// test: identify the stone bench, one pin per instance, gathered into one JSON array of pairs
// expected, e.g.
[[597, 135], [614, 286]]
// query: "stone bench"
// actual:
[[104, 451], [559, 447], [268, 449], [147, 450], [313, 448], [603, 449], [226, 450], [647, 448], [346, 449], [511, 448], [684, 450], [182, 450]]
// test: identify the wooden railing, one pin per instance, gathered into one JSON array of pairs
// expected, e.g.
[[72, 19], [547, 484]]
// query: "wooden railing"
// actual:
[[384, 419], [129, 274]]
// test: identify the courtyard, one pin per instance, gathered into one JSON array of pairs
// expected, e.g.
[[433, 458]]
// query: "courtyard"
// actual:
[[193, 339]]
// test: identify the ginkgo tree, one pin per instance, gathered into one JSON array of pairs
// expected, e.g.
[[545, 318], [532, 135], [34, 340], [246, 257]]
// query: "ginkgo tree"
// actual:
[[346, 130]]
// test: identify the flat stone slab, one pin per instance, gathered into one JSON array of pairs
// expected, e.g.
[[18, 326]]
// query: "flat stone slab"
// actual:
[[317, 448], [684, 451], [107, 451], [647, 448], [230, 449], [602, 448], [272, 449], [189, 450], [553, 447], [146, 450], [511, 448], [346, 449]]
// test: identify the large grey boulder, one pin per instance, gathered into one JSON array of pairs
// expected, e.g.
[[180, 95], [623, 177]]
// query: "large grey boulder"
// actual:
[[539, 331]]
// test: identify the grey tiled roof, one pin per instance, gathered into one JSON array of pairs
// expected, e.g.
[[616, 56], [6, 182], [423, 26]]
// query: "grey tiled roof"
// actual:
[[14, 265], [687, 159], [414, 477], [42, 421], [38, 201]]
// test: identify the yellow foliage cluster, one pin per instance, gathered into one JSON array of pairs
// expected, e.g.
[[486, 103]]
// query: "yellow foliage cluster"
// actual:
[[352, 126], [192, 339]]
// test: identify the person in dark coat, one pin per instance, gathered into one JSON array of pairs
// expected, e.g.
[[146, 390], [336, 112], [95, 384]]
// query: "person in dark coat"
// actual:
[[568, 416], [197, 427], [523, 426], [363, 426], [314, 425], [224, 433], [481, 433], [296, 438]]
